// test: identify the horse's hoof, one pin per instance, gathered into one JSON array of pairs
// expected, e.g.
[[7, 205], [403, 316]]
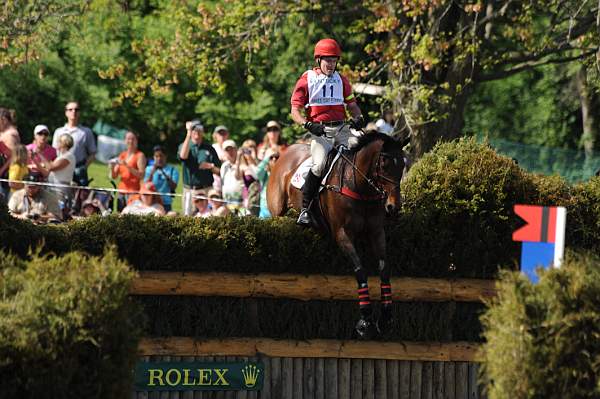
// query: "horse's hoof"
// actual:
[[366, 329]]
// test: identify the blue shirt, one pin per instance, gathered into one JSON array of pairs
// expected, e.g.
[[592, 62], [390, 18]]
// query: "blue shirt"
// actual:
[[160, 181]]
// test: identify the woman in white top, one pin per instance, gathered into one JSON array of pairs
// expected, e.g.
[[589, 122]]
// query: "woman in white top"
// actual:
[[59, 171]]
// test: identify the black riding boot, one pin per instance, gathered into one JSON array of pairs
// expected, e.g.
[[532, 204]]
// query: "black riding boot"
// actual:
[[309, 190]]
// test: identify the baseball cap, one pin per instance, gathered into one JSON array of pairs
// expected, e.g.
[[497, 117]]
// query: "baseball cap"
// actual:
[[197, 125], [229, 143], [34, 177], [212, 193], [147, 188], [220, 128], [40, 128], [273, 124]]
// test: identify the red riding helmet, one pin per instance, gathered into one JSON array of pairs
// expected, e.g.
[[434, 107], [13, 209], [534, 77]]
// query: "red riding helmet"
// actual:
[[327, 48]]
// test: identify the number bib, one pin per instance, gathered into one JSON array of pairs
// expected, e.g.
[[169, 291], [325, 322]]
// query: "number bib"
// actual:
[[324, 90]]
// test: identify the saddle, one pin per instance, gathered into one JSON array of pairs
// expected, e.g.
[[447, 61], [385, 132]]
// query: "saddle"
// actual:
[[300, 174]]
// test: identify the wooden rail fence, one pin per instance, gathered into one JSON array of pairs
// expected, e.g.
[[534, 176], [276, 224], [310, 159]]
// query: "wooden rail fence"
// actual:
[[306, 287]]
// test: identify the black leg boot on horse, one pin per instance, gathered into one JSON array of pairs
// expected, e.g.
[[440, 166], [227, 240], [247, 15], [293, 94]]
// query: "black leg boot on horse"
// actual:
[[365, 327], [309, 191]]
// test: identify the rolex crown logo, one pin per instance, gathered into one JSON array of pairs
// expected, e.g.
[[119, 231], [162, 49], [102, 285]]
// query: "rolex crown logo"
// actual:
[[250, 373]]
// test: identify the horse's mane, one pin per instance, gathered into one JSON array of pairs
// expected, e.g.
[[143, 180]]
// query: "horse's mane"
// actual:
[[388, 142]]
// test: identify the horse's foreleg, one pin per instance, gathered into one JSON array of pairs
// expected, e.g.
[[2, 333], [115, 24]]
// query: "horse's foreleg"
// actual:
[[365, 326], [378, 247]]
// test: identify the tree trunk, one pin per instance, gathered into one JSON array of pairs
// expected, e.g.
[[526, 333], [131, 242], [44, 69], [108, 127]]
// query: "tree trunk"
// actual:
[[589, 133]]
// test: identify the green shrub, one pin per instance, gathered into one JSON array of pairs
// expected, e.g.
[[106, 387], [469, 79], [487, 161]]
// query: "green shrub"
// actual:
[[67, 327], [457, 221], [543, 341]]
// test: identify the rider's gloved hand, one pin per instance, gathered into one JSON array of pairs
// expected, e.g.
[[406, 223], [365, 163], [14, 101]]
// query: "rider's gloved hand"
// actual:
[[357, 123], [315, 128]]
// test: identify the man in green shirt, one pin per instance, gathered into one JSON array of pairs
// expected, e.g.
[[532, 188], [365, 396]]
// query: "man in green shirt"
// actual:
[[199, 161]]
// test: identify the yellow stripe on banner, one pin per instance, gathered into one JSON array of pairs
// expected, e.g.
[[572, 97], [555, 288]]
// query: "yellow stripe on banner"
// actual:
[[312, 348]]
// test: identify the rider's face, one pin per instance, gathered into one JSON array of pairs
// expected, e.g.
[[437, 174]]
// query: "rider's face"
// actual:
[[328, 64]]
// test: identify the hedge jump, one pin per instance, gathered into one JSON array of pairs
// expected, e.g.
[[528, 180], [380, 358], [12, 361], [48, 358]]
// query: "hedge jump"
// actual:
[[306, 287]]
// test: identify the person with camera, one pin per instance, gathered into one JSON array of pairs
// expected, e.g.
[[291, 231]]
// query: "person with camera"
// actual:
[[199, 160], [319, 102], [34, 202], [164, 177], [40, 147]]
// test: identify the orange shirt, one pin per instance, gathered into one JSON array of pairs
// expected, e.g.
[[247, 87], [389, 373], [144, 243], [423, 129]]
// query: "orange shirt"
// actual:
[[128, 180]]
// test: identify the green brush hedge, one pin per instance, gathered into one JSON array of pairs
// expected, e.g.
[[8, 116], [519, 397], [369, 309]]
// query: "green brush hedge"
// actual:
[[457, 221], [68, 328], [543, 341]]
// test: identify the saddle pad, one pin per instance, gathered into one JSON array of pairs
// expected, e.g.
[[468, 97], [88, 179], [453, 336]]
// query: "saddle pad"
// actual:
[[301, 172]]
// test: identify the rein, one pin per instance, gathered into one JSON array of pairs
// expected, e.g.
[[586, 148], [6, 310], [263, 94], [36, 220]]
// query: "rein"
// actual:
[[382, 194]]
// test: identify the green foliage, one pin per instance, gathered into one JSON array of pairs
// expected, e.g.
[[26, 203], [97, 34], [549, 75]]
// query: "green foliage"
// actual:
[[534, 107], [543, 341], [67, 327]]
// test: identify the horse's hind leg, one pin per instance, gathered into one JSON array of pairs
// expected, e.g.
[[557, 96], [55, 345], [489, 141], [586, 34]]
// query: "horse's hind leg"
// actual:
[[365, 326]]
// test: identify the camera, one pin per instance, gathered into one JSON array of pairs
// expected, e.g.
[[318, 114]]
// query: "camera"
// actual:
[[246, 151]]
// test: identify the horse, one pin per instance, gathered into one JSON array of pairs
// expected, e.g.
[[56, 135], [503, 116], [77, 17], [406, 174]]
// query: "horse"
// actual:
[[362, 187]]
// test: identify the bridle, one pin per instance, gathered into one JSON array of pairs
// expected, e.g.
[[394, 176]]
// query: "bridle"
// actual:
[[378, 174]]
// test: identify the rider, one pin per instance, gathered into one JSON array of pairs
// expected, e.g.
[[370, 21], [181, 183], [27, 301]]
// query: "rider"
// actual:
[[318, 104]]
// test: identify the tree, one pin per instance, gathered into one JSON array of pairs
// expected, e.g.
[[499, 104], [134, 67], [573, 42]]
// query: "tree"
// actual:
[[430, 54]]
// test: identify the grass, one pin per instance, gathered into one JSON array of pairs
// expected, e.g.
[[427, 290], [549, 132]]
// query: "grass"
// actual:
[[100, 173]]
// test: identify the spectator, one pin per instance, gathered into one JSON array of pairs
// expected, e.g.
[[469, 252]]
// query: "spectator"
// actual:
[[371, 128], [91, 202], [5, 159], [164, 176], [40, 146], [34, 202], [61, 170], [220, 134], [201, 208], [9, 139], [262, 173], [246, 172], [84, 147], [9, 134], [130, 167], [232, 186], [200, 161], [147, 203], [18, 167], [271, 142], [386, 123], [216, 203]]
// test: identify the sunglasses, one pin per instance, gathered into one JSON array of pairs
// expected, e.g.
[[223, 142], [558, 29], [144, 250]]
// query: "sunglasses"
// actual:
[[274, 157], [73, 109], [43, 133], [273, 129]]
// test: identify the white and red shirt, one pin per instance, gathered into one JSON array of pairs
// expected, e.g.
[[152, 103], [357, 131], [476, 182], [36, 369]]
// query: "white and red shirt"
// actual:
[[324, 97]]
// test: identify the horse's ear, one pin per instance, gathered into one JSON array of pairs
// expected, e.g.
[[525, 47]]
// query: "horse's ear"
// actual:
[[403, 142]]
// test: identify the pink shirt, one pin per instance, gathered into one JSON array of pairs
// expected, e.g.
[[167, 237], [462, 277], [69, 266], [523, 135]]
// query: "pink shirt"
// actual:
[[48, 152]]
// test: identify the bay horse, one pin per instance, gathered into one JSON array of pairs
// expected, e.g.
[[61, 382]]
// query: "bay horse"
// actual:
[[362, 187]]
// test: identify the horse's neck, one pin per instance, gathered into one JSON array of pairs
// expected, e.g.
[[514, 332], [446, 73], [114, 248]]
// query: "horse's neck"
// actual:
[[365, 161]]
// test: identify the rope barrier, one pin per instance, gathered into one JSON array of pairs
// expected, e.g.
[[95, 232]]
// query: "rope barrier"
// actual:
[[125, 192]]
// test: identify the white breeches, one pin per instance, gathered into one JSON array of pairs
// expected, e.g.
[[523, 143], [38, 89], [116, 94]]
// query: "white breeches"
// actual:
[[320, 146]]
